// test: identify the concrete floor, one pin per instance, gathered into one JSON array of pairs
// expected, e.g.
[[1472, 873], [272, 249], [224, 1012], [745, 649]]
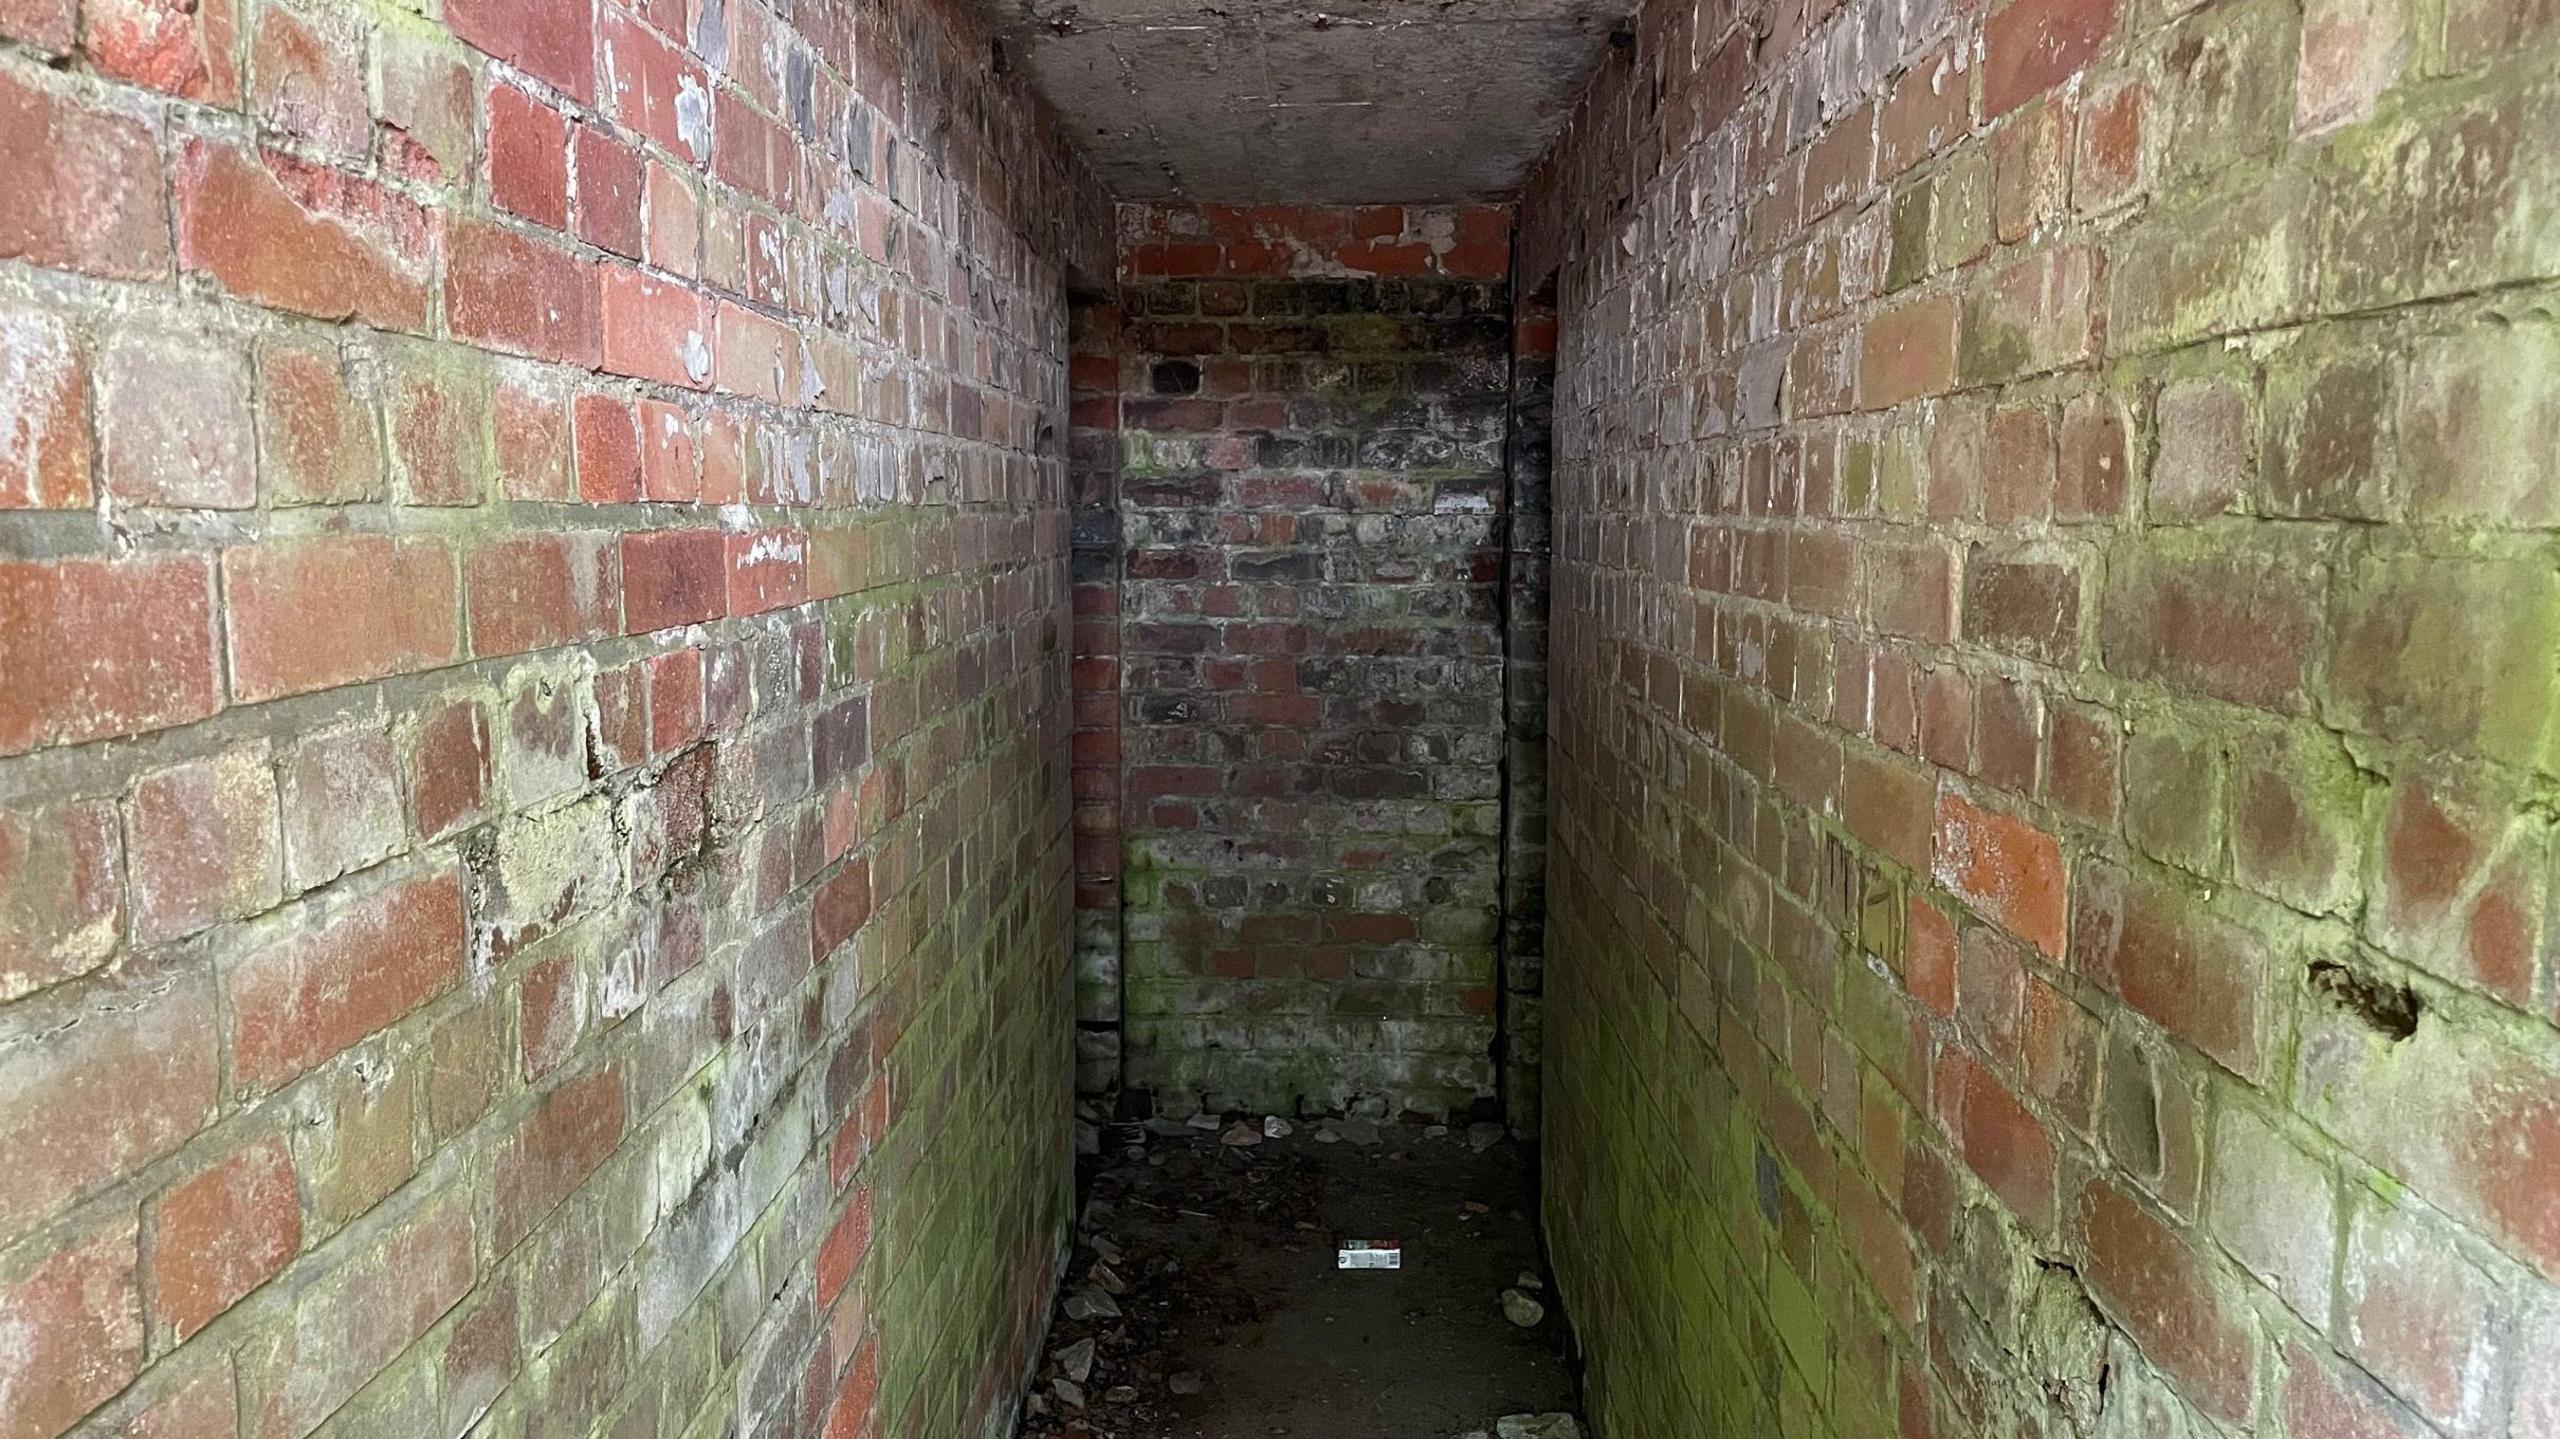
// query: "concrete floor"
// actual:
[[1227, 1256]]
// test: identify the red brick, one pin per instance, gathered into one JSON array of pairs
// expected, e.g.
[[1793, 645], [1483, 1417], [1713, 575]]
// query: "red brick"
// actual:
[[307, 76], [75, 1326], [508, 292], [436, 408], [2423, 1319], [1998, 1138], [655, 89], [2232, 625], [296, 236], [2025, 605], [83, 189], [316, 438], [315, 613], [673, 577], [132, 1080], [351, 970], [1929, 957], [450, 773], [768, 569], [535, 445], [425, 118], [2200, 978], [608, 192], [1908, 351], [98, 648], [848, 1239], [608, 450], [206, 845], [2457, 654], [173, 421], [220, 1233], [62, 900], [535, 591], [2326, 1399], [528, 157], [2004, 867], [205, 1406], [190, 51], [667, 468], [2030, 46], [2160, 1289], [342, 809], [2275, 1208], [551, 40], [675, 700], [44, 413], [755, 356], [50, 27], [671, 218], [571, 1131], [654, 330]]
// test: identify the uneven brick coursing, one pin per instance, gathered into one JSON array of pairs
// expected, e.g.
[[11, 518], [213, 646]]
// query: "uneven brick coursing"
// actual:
[[1310, 513], [2054, 633], [533, 811]]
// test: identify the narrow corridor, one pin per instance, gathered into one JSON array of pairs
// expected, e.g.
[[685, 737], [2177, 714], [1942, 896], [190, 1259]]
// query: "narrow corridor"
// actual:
[[1220, 1244]]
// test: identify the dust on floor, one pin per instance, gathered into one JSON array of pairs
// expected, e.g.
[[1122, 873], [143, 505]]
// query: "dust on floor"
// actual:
[[1205, 1279]]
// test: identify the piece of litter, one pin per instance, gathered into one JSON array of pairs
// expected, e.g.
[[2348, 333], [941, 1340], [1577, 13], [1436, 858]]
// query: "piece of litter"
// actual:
[[1091, 1304], [1274, 1127], [1241, 1136], [1369, 1254], [1522, 1310], [1077, 1359], [1527, 1280], [1106, 1280]]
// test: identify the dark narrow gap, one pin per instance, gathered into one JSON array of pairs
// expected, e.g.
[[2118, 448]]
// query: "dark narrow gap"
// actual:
[[1309, 531]]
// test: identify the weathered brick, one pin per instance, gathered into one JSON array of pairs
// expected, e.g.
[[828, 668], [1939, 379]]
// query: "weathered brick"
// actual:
[[307, 76], [153, 617], [2029, 46], [2460, 878], [78, 1327], [2161, 1291], [527, 157], [62, 893], [535, 591], [2201, 978], [220, 1233], [312, 614], [84, 190], [673, 577], [44, 413], [2004, 867], [2452, 653], [2421, 1318], [515, 294], [205, 844], [173, 422], [570, 1132], [303, 237], [131, 1081], [342, 806], [317, 442], [2232, 624], [349, 969]]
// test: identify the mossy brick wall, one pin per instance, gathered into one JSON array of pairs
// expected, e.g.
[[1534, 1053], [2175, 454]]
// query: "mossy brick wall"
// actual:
[[2054, 731], [533, 680], [1310, 504]]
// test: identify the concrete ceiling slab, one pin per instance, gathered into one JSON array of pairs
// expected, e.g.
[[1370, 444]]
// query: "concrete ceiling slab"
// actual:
[[1350, 102]]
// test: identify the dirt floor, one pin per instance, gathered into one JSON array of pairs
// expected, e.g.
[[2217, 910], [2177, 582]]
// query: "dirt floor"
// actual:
[[1233, 1320]]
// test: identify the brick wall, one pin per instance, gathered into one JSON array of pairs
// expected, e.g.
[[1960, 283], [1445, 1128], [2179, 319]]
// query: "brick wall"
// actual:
[[1310, 505], [2054, 654], [533, 812]]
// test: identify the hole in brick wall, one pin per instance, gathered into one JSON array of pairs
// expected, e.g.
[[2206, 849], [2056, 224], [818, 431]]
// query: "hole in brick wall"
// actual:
[[2391, 1010], [1176, 377], [999, 58]]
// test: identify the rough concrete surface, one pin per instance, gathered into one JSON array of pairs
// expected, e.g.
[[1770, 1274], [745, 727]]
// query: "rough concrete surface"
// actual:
[[1281, 1341], [1384, 101]]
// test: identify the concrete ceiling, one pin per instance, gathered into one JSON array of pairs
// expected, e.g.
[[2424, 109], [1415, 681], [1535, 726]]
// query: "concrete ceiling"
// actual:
[[1354, 101]]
